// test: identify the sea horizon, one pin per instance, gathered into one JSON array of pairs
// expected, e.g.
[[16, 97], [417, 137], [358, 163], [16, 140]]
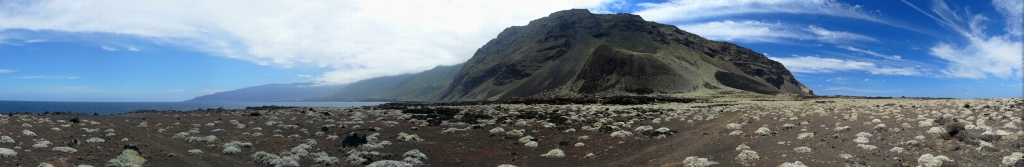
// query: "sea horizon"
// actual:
[[104, 108]]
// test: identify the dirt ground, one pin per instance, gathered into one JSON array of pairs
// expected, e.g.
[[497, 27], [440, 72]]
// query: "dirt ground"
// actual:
[[813, 132]]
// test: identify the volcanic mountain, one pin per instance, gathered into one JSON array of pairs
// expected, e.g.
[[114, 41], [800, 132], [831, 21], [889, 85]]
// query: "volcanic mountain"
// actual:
[[575, 52]]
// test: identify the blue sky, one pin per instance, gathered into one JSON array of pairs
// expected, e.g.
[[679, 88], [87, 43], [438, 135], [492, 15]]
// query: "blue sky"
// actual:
[[92, 50]]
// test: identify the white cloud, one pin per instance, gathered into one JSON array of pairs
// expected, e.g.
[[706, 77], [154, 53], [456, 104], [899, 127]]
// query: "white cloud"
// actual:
[[48, 77], [358, 39], [869, 52], [825, 35], [757, 31], [815, 64], [747, 31], [108, 48], [1012, 12], [909, 71], [860, 90], [981, 55], [7, 71], [686, 10], [305, 75]]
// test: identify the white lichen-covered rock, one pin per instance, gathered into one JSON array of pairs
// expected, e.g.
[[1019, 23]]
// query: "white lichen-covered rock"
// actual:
[[929, 160], [526, 139], [936, 130], [389, 163], [231, 150], [742, 147], [662, 130], [1012, 158], [763, 131], [897, 150], [643, 129], [41, 144], [65, 149], [554, 153], [622, 133], [803, 136], [803, 149], [861, 140], [95, 140], [7, 153], [127, 158], [867, 147], [793, 164], [843, 129], [26, 132], [531, 144], [733, 126], [694, 161], [747, 155], [415, 153]]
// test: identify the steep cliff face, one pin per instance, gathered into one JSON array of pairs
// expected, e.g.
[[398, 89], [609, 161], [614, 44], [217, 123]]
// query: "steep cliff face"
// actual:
[[575, 52]]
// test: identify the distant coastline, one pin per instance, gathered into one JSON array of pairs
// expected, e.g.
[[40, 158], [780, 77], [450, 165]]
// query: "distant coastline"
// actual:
[[104, 108]]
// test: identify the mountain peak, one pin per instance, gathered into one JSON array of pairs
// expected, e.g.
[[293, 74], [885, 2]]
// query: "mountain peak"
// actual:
[[575, 52]]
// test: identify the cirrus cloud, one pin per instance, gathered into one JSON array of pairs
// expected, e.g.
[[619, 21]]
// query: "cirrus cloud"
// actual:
[[757, 31], [816, 64], [686, 10], [979, 55]]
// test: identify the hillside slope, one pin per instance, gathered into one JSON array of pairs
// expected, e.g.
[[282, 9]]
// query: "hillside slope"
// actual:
[[407, 87], [270, 93]]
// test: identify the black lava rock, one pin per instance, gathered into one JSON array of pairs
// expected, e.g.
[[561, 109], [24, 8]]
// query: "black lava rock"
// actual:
[[132, 147], [354, 140]]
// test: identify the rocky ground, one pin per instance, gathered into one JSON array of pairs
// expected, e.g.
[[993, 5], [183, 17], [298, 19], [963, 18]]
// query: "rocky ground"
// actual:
[[605, 132]]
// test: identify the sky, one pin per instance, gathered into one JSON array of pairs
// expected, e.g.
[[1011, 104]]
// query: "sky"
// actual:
[[120, 50]]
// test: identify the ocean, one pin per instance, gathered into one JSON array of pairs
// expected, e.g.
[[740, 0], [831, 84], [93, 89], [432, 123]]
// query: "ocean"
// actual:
[[104, 108]]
